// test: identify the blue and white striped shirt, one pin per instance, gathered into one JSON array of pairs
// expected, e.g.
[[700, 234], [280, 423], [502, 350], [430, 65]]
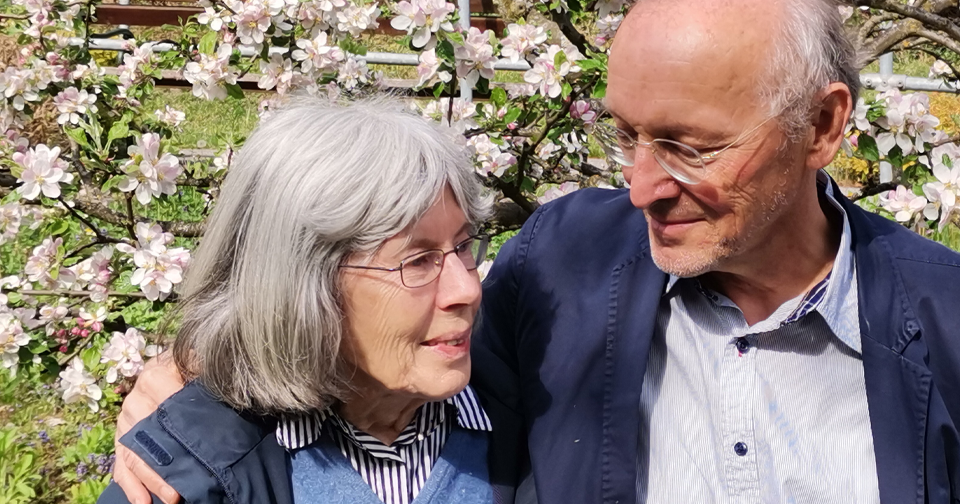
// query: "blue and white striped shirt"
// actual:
[[775, 412], [396, 473]]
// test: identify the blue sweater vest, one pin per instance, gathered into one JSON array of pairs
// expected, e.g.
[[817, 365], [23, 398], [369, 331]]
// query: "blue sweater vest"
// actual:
[[322, 475]]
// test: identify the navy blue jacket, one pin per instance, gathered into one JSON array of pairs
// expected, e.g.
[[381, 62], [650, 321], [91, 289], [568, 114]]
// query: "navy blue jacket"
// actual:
[[209, 452], [567, 319]]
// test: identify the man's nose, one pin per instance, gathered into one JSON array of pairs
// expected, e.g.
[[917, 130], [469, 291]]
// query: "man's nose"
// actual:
[[649, 182]]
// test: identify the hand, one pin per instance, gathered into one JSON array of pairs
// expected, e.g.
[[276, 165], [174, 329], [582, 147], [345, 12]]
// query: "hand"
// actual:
[[159, 380]]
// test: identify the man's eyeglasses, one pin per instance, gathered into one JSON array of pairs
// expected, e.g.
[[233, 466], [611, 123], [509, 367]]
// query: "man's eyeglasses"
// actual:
[[424, 267], [682, 162]]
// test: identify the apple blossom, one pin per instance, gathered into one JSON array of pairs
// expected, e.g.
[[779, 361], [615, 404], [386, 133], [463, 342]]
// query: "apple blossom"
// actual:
[[902, 203], [170, 116], [354, 19], [315, 54], [940, 68], [78, 385], [546, 74], [558, 191], [147, 174], [943, 192], [71, 103], [43, 171], [277, 72], [211, 74], [12, 338], [423, 18], [475, 57], [521, 39], [124, 353], [427, 69], [92, 321]]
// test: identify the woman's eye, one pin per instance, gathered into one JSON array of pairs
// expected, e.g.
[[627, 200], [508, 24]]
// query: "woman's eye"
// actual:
[[418, 262]]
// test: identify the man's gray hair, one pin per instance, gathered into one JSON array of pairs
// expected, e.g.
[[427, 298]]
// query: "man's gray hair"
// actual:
[[314, 183], [811, 51]]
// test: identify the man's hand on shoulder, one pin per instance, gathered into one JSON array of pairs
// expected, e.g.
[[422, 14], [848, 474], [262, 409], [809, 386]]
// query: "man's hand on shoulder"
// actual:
[[159, 380]]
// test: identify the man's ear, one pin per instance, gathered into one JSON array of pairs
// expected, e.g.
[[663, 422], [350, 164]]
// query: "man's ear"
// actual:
[[829, 122]]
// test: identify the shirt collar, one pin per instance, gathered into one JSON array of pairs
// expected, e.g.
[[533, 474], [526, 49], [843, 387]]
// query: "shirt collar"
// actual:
[[835, 298], [297, 431]]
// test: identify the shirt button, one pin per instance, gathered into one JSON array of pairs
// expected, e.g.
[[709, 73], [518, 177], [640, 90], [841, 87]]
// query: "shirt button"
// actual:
[[740, 448], [419, 437], [743, 345]]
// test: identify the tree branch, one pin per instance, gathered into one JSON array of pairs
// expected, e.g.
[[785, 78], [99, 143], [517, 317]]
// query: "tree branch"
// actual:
[[571, 32], [877, 189], [928, 18], [73, 293]]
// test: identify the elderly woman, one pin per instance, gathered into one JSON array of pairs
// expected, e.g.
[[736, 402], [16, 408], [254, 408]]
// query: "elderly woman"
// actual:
[[326, 322]]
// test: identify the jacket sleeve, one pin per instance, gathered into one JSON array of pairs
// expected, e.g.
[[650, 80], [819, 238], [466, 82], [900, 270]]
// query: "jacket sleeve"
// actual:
[[171, 460], [114, 495], [496, 374]]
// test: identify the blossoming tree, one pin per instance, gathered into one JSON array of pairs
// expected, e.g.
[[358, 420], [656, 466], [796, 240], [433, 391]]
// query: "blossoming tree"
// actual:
[[97, 223]]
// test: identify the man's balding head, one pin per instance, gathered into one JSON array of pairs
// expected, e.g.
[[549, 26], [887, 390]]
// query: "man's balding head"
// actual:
[[797, 46], [709, 77]]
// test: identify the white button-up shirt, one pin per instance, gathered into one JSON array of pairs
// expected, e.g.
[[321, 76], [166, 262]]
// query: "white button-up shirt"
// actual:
[[775, 412]]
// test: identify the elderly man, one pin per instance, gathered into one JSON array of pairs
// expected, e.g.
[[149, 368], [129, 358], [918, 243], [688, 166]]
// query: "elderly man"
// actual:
[[732, 329], [748, 334]]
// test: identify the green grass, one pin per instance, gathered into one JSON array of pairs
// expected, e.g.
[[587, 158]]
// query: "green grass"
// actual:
[[209, 124]]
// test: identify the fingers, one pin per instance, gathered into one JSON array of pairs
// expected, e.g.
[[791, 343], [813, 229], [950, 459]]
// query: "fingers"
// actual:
[[138, 480], [159, 380]]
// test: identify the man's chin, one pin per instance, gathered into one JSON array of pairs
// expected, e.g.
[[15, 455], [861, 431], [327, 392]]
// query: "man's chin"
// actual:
[[684, 261]]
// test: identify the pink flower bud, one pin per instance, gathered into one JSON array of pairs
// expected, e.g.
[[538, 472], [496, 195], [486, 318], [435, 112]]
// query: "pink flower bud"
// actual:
[[63, 348], [84, 333], [75, 331], [512, 126]]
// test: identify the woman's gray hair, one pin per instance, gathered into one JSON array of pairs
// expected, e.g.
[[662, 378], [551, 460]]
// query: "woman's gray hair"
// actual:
[[811, 51], [314, 183]]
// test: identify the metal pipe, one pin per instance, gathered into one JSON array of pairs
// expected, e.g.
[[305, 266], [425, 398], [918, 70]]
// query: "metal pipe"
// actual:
[[466, 91]]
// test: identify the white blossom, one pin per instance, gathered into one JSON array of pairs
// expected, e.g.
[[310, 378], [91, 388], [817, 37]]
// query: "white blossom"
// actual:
[[72, 103], [521, 39], [12, 338], [148, 173], [475, 57], [902, 203], [125, 354], [43, 171], [170, 116], [211, 74], [423, 18], [78, 385]]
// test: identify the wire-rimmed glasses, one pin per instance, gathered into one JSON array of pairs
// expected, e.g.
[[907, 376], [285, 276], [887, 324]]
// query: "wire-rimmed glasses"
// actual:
[[681, 161], [424, 267]]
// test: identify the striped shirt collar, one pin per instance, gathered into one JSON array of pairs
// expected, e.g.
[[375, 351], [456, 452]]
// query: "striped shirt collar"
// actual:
[[295, 432], [835, 297]]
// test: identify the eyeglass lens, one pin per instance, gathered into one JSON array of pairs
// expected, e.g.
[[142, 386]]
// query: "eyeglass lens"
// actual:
[[423, 268]]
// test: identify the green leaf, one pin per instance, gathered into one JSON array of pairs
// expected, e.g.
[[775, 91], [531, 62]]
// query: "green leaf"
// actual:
[[438, 89], [208, 43], [234, 91], [566, 89], [58, 227], [590, 64], [445, 50], [79, 136], [498, 96], [867, 147], [14, 297], [120, 129], [512, 114], [456, 37], [353, 47], [559, 59], [111, 183], [600, 89]]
